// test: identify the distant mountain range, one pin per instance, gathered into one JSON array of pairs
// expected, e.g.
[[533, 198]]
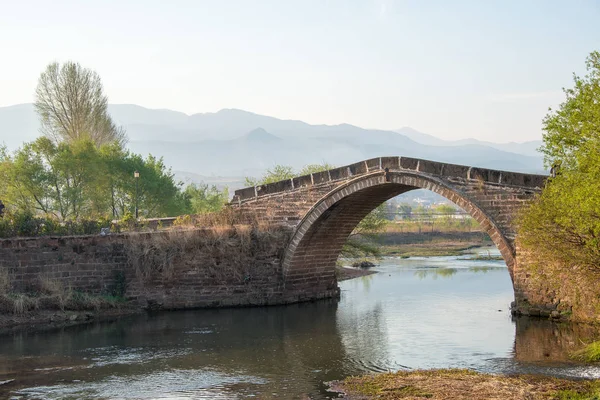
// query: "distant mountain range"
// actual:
[[231, 144], [529, 148]]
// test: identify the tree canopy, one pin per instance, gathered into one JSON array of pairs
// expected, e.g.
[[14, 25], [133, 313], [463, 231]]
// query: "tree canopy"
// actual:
[[80, 170], [283, 172], [72, 106], [204, 198], [564, 222], [70, 181]]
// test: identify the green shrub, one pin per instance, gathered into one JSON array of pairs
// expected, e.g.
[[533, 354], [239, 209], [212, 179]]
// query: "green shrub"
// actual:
[[26, 224], [590, 353]]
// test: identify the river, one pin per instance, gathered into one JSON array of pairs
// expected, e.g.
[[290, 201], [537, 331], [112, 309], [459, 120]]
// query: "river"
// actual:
[[415, 313]]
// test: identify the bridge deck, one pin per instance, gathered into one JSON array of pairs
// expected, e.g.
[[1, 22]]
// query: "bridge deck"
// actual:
[[506, 178]]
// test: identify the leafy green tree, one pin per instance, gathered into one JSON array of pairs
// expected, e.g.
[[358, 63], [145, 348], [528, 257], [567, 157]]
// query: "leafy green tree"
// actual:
[[362, 241], [56, 179], [204, 198], [283, 172], [275, 174], [572, 131], [80, 168], [406, 210], [159, 194], [314, 168], [75, 180], [447, 212], [423, 215], [375, 222], [445, 209], [564, 222], [72, 106]]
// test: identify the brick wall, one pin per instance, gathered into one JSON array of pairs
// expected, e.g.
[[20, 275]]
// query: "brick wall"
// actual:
[[212, 268], [86, 263]]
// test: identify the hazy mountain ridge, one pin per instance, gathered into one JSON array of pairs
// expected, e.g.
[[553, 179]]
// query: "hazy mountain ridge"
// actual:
[[529, 148], [236, 143]]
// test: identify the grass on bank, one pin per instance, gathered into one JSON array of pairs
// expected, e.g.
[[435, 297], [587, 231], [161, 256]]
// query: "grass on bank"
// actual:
[[590, 353], [455, 384], [51, 294]]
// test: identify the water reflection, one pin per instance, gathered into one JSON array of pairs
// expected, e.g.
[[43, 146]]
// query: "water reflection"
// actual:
[[415, 313], [435, 273], [149, 356], [485, 269], [541, 341]]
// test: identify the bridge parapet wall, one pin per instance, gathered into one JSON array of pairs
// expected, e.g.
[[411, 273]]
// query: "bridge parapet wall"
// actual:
[[439, 169], [499, 194]]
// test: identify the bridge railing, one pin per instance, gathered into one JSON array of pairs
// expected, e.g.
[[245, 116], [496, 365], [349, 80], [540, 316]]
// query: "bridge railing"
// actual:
[[429, 167]]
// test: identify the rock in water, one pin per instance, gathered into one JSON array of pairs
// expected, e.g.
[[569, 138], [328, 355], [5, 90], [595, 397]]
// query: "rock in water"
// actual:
[[363, 264]]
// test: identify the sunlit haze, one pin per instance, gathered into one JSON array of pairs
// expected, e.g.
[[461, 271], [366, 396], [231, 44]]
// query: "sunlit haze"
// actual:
[[487, 70]]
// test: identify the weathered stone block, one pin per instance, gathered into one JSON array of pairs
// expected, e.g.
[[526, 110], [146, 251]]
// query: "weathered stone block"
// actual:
[[430, 167], [393, 163], [302, 181], [455, 171], [320, 177], [409, 163], [339, 173], [373, 164], [246, 193], [358, 168], [276, 187]]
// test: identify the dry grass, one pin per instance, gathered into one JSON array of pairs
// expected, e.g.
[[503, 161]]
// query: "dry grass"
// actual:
[[50, 294], [4, 281], [227, 217], [480, 183], [53, 293], [225, 253], [465, 385], [22, 303]]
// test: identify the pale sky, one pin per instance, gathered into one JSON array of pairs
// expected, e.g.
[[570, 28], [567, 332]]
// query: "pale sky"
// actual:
[[453, 69]]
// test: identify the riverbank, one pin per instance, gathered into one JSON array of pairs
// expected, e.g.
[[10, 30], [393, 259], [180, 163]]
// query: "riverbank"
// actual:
[[41, 320], [455, 384], [429, 244], [344, 273]]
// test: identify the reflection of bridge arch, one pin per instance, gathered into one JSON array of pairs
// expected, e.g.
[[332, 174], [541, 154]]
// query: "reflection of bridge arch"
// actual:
[[320, 236], [325, 207]]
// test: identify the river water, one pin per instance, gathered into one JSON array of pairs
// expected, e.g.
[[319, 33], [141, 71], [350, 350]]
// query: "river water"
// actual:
[[415, 313]]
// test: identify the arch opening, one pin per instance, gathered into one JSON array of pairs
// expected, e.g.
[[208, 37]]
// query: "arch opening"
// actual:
[[310, 259]]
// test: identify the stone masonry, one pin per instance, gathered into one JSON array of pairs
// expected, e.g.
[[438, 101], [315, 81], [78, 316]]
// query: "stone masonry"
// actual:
[[323, 209], [226, 268]]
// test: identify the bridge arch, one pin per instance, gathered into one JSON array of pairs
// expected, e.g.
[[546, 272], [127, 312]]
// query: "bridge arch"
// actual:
[[310, 258]]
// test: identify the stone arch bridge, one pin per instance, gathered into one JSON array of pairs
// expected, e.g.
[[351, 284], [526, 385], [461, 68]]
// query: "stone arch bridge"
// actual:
[[324, 208]]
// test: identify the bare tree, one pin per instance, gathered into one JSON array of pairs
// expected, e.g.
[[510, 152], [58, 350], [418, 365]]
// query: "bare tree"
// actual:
[[71, 104]]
